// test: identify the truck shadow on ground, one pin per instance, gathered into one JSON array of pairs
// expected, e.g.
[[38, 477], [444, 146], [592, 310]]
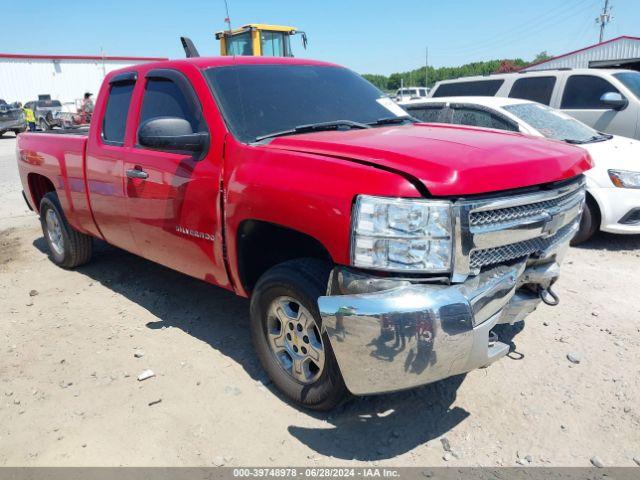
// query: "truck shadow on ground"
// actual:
[[611, 242], [385, 426], [364, 428]]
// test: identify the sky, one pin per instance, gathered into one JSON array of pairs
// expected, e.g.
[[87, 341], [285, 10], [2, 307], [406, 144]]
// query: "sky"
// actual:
[[367, 36]]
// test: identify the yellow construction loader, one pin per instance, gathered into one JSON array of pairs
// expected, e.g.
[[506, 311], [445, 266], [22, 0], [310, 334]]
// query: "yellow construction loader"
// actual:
[[258, 39]]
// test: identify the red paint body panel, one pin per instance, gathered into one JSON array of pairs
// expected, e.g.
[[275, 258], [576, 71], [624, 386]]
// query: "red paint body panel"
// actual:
[[450, 160], [60, 158], [305, 182], [312, 194]]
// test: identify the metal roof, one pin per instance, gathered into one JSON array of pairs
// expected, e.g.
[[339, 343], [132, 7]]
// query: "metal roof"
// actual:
[[620, 48], [24, 56]]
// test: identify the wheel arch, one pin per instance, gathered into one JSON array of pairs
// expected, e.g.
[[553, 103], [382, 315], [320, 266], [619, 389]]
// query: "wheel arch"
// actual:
[[261, 245], [592, 201], [39, 186]]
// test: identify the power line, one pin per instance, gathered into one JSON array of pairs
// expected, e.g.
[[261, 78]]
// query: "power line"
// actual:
[[532, 27]]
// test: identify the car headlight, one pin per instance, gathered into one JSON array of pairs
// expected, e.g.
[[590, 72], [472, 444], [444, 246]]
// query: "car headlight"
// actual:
[[625, 178], [401, 234]]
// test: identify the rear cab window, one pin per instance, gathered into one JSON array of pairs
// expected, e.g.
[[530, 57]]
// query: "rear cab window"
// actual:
[[116, 111], [483, 88], [536, 89], [583, 92]]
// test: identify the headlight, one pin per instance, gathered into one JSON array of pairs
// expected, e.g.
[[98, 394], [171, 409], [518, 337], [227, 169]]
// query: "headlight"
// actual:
[[625, 178], [398, 234]]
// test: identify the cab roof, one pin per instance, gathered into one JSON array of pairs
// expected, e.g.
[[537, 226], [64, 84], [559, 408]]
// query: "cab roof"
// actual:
[[227, 61], [532, 73], [257, 26]]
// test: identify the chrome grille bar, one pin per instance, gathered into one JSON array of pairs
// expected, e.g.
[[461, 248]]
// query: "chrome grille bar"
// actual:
[[493, 231]]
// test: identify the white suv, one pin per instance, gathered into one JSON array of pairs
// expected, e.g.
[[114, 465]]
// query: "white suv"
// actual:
[[411, 94], [607, 100]]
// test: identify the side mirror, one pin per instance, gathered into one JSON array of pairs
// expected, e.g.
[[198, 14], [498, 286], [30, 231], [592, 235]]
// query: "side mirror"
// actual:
[[614, 100], [172, 134]]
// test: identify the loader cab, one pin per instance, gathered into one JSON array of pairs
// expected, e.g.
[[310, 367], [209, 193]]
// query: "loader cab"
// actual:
[[256, 39]]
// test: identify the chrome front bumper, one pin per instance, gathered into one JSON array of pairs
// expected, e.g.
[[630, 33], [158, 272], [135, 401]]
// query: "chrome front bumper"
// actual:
[[412, 335]]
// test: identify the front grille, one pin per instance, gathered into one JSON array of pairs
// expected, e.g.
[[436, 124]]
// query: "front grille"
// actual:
[[503, 215], [497, 230], [492, 256]]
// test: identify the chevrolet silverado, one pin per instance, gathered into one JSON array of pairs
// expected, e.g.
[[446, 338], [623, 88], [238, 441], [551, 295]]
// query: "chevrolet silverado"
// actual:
[[379, 253]]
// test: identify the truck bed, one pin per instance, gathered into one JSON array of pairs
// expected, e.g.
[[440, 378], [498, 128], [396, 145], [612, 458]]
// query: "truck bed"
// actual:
[[80, 131], [59, 157]]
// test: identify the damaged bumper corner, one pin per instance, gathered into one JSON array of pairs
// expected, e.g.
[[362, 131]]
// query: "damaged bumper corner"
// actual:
[[391, 335]]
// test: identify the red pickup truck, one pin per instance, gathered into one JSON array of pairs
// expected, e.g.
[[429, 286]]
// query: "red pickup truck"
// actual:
[[379, 253]]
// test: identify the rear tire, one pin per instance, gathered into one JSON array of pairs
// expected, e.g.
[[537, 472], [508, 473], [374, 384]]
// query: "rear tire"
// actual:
[[68, 248], [589, 223], [297, 283]]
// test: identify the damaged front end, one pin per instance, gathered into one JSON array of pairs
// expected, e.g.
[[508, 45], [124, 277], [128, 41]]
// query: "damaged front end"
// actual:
[[390, 333]]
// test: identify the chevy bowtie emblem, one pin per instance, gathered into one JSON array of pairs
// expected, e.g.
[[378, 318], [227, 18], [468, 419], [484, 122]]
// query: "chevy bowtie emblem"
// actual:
[[552, 224], [194, 233]]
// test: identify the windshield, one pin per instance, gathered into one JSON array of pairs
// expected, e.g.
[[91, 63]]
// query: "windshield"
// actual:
[[631, 80], [552, 123], [258, 100]]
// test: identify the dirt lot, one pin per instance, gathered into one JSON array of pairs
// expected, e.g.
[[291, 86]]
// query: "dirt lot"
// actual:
[[69, 393]]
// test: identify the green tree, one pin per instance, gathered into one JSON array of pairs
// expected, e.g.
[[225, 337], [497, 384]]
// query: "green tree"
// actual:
[[541, 57], [379, 81], [417, 76]]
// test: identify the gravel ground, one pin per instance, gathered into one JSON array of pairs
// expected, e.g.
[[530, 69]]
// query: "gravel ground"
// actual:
[[72, 344]]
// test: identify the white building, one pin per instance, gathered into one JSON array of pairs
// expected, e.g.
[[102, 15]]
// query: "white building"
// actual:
[[64, 77], [620, 52]]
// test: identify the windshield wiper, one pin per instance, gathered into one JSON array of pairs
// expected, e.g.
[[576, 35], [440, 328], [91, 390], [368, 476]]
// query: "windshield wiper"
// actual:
[[315, 127], [393, 120], [595, 138]]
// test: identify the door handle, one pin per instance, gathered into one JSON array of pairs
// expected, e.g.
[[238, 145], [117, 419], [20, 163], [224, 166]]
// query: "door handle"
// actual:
[[135, 173]]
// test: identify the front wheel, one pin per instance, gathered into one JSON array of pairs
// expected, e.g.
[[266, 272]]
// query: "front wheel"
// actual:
[[286, 330]]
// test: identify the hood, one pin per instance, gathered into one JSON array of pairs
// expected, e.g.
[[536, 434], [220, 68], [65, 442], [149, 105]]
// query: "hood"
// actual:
[[618, 152], [449, 160]]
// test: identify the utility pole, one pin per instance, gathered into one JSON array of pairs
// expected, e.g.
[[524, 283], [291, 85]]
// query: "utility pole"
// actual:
[[604, 18], [426, 69]]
